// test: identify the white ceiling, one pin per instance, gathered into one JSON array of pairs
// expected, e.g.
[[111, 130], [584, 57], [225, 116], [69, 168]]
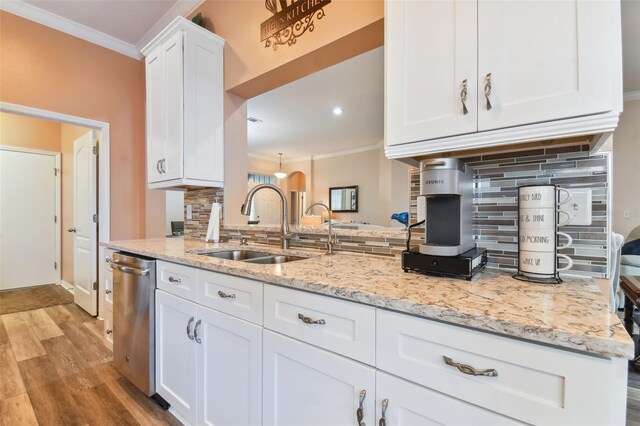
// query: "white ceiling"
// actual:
[[631, 44], [298, 119]]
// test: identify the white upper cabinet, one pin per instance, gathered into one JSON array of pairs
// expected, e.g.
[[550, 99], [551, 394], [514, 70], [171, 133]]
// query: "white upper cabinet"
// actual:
[[547, 60], [430, 65], [534, 70], [185, 121]]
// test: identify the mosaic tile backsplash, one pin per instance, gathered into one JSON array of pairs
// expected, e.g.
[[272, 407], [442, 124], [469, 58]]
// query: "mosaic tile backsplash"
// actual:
[[496, 179]]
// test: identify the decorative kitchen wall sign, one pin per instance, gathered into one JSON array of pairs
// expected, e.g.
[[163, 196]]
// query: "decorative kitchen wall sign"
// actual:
[[291, 19]]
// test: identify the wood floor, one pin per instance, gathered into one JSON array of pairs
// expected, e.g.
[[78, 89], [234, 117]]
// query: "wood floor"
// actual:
[[54, 370]]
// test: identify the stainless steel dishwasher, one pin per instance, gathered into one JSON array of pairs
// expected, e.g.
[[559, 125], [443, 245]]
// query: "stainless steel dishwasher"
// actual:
[[134, 284]]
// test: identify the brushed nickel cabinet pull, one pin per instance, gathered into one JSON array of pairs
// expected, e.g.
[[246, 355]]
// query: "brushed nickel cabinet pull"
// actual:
[[158, 167], [463, 97], [383, 418], [307, 320], [226, 296], [189, 328], [467, 369], [195, 332], [109, 331], [108, 291], [360, 410], [174, 280], [487, 91]]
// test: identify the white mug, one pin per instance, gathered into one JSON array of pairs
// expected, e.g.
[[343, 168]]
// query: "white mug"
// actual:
[[541, 263], [540, 218], [530, 197], [541, 240]]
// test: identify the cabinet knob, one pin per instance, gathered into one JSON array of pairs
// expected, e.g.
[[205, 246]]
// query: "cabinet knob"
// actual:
[[487, 91]]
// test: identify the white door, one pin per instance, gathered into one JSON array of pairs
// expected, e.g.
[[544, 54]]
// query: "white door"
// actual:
[[172, 162], [430, 50], [266, 206], [28, 232], [229, 370], [85, 229], [305, 385], [155, 114], [176, 352], [547, 59], [409, 404]]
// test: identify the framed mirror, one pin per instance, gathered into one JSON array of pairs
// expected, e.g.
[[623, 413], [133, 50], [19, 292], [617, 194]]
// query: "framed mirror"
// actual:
[[344, 199]]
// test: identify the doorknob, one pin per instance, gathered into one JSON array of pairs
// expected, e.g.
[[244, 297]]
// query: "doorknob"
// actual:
[[71, 230]]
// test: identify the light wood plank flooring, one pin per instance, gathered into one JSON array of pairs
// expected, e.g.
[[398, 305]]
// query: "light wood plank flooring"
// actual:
[[54, 370]]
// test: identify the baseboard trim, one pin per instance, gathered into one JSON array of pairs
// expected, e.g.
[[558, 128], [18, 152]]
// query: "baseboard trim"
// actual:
[[67, 286]]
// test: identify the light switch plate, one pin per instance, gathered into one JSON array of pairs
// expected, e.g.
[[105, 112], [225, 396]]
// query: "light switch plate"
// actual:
[[579, 206], [189, 211]]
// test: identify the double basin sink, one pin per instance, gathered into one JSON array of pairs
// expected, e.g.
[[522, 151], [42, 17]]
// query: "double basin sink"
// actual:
[[250, 256]]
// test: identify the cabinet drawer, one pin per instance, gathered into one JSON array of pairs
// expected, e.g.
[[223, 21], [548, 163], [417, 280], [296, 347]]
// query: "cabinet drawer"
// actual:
[[107, 332], [235, 296], [108, 290], [348, 328], [106, 260], [177, 279], [534, 383]]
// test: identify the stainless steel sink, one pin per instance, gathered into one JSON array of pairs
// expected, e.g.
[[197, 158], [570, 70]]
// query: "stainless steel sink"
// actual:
[[251, 256], [236, 254], [275, 259]]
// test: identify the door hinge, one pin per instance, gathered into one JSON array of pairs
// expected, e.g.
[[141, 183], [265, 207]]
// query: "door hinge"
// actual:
[[95, 150], [55, 171], [95, 218], [55, 265], [55, 219], [95, 285]]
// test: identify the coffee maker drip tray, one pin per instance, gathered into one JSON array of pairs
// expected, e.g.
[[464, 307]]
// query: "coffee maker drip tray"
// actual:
[[464, 265]]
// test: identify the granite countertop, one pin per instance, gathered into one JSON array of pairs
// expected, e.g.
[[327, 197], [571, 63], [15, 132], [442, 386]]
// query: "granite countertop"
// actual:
[[572, 315]]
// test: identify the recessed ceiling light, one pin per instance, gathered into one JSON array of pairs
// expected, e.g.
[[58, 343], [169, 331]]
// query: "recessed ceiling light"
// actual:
[[337, 111]]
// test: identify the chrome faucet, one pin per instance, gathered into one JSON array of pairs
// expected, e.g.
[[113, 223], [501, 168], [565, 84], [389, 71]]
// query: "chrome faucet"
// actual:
[[284, 218], [330, 242]]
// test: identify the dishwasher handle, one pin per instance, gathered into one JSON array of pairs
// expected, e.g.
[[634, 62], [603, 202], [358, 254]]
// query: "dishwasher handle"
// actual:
[[130, 270]]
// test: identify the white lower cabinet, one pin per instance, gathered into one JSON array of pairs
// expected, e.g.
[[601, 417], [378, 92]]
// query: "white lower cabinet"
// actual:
[[306, 385], [401, 403], [208, 364], [176, 354]]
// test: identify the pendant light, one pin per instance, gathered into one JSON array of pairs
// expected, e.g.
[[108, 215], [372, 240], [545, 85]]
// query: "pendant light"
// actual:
[[280, 174]]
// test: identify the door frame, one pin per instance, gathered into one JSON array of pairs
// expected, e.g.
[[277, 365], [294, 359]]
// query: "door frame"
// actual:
[[104, 233], [58, 200]]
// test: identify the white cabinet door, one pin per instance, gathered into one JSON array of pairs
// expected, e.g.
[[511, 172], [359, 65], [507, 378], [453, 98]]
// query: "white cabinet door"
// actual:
[[430, 51], [548, 60], [155, 114], [203, 109], [408, 404], [229, 384], [305, 385], [172, 165], [176, 353]]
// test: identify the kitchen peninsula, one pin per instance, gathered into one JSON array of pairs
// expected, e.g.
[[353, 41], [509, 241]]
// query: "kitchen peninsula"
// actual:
[[538, 339]]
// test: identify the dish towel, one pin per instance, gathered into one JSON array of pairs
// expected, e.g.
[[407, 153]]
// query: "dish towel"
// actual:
[[213, 231]]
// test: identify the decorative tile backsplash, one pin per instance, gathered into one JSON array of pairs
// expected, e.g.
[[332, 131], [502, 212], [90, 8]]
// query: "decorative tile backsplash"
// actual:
[[496, 179]]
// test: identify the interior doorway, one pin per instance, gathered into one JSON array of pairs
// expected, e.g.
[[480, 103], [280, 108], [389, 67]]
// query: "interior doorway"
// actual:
[[297, 185], [75, 142]]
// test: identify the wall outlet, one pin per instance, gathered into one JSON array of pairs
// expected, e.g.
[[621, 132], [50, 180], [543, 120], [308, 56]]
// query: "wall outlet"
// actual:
[[626, 214], [189, 211], [579, 207]]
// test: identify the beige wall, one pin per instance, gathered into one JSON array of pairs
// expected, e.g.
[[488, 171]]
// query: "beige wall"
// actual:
[[626, 169], [68, 134], [350, 27], [47, 69], [31, 133]]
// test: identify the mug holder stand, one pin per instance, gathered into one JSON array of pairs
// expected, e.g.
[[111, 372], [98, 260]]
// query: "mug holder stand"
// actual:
[[534, 277]]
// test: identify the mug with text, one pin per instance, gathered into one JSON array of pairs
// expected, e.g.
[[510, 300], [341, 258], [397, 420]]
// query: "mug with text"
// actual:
[[541, 240], [540, 196], [542, 263], [541, 218]]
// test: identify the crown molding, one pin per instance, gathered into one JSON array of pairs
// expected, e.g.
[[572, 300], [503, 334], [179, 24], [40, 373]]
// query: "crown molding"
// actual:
[[632, 96], [70, 27], [180, 8], [379, 145]]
